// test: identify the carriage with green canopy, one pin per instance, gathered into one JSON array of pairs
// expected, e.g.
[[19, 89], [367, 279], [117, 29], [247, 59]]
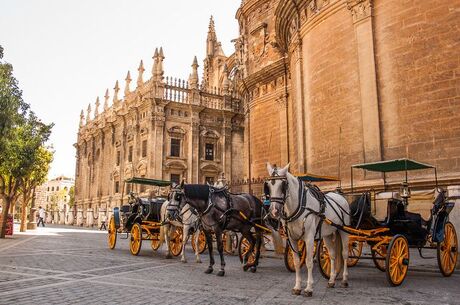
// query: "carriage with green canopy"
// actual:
[[140, 218]]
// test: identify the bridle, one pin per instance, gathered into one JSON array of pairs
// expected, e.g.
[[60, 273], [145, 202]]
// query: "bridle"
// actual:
[[284, 188]]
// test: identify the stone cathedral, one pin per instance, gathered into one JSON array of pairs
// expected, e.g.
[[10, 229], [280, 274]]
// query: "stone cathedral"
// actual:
[[319, 84]]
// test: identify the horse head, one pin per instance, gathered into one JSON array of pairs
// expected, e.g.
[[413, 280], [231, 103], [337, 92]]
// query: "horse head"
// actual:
[[175, 204], [276, 189]]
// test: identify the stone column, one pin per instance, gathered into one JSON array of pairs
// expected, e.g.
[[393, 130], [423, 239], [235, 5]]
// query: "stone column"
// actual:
[[227, 147], [299, 121], [454, 216], [361, 11], [284, 132], [32, 224], [158, 149], [61, 217], [70, 217], [80, 217], [89, 217], [49, 217], [194, 149], [55, 216]]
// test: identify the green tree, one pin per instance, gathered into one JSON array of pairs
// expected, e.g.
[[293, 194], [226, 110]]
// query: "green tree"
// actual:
[[29, 182], [72, 196], [21, 136]]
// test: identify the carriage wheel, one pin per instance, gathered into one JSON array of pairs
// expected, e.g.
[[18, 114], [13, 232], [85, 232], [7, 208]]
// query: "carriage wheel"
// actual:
[[136, 239], [379, 260], [355, 248], [243, 248], [289, 255], [201, 242], [324, 260], [397, 260], [112, 233], [448, 250], [156, 244], [233, 242], [175, 243]]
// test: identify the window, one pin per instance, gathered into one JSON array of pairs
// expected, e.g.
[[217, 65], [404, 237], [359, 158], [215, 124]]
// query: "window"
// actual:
[[52, 189], [118, 157], [209, 180], [144, 148], [117, 187], [57, 188], [130, 154], [209, 152], [175, 147], [48, 189], [175, 178]]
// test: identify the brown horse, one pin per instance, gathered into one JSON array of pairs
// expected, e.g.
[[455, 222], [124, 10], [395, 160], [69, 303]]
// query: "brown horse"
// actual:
[[220, 210]]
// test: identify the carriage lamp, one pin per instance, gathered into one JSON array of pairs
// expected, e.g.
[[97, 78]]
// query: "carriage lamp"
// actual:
[[404, 190]]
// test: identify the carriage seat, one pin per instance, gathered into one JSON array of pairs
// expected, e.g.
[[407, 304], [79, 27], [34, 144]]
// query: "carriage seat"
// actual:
[[151, 208], [361, 215]]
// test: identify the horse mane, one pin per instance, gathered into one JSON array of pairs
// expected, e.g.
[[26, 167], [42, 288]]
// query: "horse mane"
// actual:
[[197, 191]]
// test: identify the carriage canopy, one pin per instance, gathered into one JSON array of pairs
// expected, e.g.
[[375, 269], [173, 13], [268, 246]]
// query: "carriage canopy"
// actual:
[[316, 178], [396, 165], [148, 181]]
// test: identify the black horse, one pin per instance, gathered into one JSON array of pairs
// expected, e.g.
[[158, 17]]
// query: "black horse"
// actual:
[[220, 210]]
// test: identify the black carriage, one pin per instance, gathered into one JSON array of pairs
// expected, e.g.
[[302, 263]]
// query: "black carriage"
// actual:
[[140, 218], [390, 238]]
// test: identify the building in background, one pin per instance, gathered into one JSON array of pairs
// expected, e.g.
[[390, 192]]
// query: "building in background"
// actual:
[[54, 197], [166, 128]]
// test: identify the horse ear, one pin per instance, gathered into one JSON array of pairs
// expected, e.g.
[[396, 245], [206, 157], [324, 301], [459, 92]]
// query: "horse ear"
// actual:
[[269, 168], [284, 170]]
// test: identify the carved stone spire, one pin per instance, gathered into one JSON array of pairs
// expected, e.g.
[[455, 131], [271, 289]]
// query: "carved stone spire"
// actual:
[[82, 118], [88, 113], [96, 110], [193, 78], [140, 80], [128, 81], [115, 95], [106, 99], [212, 38], [155, 64], [160, 70]]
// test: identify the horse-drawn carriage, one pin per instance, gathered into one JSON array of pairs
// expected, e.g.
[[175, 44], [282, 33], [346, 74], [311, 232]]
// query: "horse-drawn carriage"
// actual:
[[391, 238], [140, 219]]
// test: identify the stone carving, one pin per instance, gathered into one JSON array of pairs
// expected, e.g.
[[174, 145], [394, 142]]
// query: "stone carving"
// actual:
[[360, 9]]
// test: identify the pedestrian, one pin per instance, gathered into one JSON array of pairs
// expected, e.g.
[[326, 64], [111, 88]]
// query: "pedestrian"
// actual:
[[41, 216], [103, 221]]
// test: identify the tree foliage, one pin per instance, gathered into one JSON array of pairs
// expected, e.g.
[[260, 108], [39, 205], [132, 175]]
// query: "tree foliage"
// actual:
[[22, 134]]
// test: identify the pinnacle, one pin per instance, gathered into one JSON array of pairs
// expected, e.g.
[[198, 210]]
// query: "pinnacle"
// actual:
[[161, 53], [155, 55], [116, 88], [128, 76], [141, 66], [195, 62]]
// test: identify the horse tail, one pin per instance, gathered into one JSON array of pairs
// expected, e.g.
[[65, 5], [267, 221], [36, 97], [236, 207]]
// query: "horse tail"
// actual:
[[338, 251]]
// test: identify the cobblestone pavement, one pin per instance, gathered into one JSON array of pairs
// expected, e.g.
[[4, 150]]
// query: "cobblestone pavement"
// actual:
[[61, 265]]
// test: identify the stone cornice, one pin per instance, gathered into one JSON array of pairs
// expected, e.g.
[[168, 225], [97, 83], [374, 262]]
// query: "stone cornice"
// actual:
[[263, 75], [360, 9]]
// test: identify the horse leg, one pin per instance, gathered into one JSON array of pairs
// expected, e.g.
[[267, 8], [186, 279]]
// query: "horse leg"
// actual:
[[197, 243], [168, 239], [329, 242], [248, 235], [220, 248], [186, 229], [211, 257], [309, 248], [298, 277], [344, 237], [259, 238]]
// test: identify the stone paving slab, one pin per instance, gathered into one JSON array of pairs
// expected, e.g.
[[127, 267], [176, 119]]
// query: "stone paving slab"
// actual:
[[57, 265]]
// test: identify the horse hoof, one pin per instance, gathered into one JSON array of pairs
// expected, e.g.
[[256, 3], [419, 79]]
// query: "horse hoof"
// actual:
[[253, 269], [245, 268], [209, 270], [183, 260], [296, 291], [198, 261], [345, 284], [168, 256], [330, 285], [308, 293], [221, 273]]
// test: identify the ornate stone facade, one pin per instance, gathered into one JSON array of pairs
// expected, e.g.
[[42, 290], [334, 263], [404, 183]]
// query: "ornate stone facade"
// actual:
[[166, 128], [370, 79]]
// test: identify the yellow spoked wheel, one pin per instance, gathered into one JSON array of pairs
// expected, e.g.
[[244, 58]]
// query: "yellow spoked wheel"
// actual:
[[397, 261], [324, 260], [201, 242], [156, 241], [136, 239], [448, 250], [175, 243], [355, 248], [289, 255], [243, 248], [379, 257], [112, 233]]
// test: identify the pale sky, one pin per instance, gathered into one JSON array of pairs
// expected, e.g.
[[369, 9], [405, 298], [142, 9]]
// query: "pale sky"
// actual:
[[66, 53]]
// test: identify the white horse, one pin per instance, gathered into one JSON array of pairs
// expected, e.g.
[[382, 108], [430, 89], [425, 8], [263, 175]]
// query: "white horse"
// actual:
[[171, 218], [305, 223]]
